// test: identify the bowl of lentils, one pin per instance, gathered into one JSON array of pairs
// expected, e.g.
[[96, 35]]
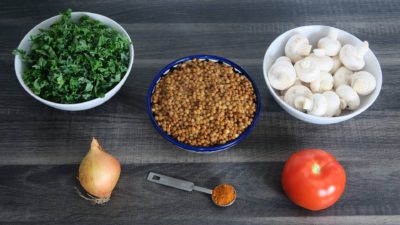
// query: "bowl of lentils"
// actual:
[[203, 103]]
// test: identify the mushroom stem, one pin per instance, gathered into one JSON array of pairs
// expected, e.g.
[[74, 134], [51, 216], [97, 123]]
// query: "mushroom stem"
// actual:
[[362, 50], [349, 95], [333, 103], [301, 102], [343, 104], [319, 105], [308, 104], [333, 33]]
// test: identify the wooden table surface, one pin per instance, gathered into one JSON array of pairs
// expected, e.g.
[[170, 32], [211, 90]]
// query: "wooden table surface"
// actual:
[[40, 147]]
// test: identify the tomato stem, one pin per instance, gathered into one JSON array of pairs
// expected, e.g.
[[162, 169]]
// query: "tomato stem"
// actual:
[[316, 169]]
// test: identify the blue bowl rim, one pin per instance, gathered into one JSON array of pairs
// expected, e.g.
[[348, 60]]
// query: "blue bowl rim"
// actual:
[[182, 145]]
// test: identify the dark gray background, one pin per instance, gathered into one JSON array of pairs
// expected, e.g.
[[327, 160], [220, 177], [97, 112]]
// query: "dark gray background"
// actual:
[[40, 147]]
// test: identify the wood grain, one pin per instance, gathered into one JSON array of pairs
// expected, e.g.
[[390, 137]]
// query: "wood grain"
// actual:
[[40, 147], [51, 188]]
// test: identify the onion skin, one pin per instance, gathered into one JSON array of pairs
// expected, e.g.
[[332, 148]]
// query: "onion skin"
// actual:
[[99, 172]]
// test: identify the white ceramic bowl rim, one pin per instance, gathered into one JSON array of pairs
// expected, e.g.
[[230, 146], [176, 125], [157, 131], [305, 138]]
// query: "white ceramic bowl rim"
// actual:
[[323, 120], [81, 104]]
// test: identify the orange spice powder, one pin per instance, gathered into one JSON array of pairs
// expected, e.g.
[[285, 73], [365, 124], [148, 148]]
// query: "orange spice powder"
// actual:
[[223, 194]]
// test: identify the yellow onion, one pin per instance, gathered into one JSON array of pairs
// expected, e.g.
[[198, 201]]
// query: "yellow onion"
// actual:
[[99, 173]]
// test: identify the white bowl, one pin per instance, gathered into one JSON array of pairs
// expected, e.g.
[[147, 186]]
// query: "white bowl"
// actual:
[[26, 44], [314, 33]]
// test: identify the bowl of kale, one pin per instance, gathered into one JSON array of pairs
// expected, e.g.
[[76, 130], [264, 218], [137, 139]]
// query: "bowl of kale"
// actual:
[[74, 61]]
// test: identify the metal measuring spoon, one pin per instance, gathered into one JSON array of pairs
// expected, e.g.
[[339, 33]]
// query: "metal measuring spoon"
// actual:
[[184, 185]]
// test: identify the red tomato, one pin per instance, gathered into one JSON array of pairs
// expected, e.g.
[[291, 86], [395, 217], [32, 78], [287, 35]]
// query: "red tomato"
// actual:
[[313, 179]]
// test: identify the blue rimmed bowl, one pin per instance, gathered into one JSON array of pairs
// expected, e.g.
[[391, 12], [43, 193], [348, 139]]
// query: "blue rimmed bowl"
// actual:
[[199, 149]]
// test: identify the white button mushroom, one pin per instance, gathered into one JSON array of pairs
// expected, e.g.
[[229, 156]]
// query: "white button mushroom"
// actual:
[[282, 75], [303, 103], [307, 70], [324, 62], [324, 82], [333, 101], [296, 93], [297, 47], [343, 104], [309, 86], [348, 96], [338, 112], [342, 76], [297, 82], [363, 82], [336, 64], [283, 59], [319, 105], [330, 43], [353, 57]]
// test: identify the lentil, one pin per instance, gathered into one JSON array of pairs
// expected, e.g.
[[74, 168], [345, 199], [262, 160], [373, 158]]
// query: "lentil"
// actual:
[[203, 103]]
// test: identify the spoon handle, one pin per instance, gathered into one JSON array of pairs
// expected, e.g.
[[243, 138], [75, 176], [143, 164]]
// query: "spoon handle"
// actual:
[[201, 189], [175, 183], [170, 181]]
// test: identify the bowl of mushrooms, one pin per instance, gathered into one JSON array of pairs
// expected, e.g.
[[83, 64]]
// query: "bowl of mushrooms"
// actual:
[[203, 103], [321, 74]]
